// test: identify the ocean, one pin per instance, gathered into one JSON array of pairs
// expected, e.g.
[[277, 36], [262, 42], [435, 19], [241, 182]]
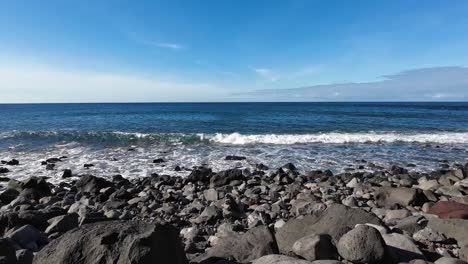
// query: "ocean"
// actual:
[[124, 138]]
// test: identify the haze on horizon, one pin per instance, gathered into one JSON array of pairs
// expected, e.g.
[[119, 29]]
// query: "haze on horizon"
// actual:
[[207, 51]]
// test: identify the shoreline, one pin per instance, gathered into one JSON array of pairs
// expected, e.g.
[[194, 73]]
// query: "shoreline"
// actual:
[[307, 216]]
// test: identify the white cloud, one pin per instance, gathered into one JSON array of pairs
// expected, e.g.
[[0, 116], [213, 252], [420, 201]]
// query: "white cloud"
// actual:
[[172, 46], [266, 74], [438, 83], [36, 84]]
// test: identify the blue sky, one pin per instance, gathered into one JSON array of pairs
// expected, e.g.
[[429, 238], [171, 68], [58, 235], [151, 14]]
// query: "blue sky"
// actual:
[[104, 51]]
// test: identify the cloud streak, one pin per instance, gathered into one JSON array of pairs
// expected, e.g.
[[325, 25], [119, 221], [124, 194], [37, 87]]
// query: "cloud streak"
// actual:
[[172, 46], [427, 84], [38, 84]]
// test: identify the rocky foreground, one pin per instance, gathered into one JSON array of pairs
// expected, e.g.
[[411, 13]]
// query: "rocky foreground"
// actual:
[[388, 215]]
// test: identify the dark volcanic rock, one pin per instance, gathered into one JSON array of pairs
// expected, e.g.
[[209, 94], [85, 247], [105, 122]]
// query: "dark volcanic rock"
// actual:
[[115, 242], [13, 162], [4, 170], [159, 160], [67, 173], [235, 158], [336, 220], [7, 251], [202, 174], [225, 177], [8, 195], [91, 184], [255, 243]]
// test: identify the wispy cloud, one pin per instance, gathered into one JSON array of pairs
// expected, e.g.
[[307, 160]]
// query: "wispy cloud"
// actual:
[[271, 75], [266, 74], [172, 46], [42, 83], [427, 84]]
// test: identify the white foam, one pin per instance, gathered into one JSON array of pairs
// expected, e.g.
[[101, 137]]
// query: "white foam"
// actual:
[[340, 138]]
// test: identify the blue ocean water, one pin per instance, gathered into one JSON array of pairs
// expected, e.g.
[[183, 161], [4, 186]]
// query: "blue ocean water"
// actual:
[[312, 134]]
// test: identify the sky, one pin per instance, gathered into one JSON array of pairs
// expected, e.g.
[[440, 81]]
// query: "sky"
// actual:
[[243, 50]]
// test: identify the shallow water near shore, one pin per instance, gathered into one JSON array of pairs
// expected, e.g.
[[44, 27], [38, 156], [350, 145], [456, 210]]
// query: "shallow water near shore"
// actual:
[[125, 138]]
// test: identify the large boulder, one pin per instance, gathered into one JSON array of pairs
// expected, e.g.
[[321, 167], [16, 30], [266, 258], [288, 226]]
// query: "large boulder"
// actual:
[[62, 223], [446, 210], [451, 228], [246, 247], [279, 259], [225, 177], [401, 248], [391, 197], [115, 242], [91, 184], [335, 221], [363, 244], [315, 247]]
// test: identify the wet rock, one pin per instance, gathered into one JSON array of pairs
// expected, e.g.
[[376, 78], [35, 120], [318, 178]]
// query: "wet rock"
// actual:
[[67, 173], [50, 166], [448, 209], [235, 158], [330, 221], [13, 162], [115, 241], [315, 247], [88, 165], [4, 170], [159, 160], [391, 197], [363, 244]]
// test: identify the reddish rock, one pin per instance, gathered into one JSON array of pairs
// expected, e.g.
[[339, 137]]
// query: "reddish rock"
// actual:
[[446, 210]]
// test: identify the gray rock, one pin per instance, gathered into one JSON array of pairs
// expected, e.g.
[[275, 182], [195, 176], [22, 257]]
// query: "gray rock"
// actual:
[[448, 260], [364, 244], [209, 215], [115, 242], [463, 253], [327, 262], [91, 184], [330, 221], [315, 247], [451, 228], [390, 197], [401, 248], [211, 195], [428, 235], [279, 259], [62, 223], [255, 243]]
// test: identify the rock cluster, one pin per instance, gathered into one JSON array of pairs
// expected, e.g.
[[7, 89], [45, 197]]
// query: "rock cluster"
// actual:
[[383, 215]]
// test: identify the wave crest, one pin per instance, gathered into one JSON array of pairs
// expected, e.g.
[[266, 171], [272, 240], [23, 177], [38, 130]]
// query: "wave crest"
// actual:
[[342, 138]]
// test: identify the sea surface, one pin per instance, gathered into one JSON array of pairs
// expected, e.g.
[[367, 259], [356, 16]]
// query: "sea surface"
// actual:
[[125, 138]]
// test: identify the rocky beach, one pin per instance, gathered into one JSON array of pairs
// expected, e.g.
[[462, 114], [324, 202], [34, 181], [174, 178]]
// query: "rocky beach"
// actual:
[[365, 214]]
